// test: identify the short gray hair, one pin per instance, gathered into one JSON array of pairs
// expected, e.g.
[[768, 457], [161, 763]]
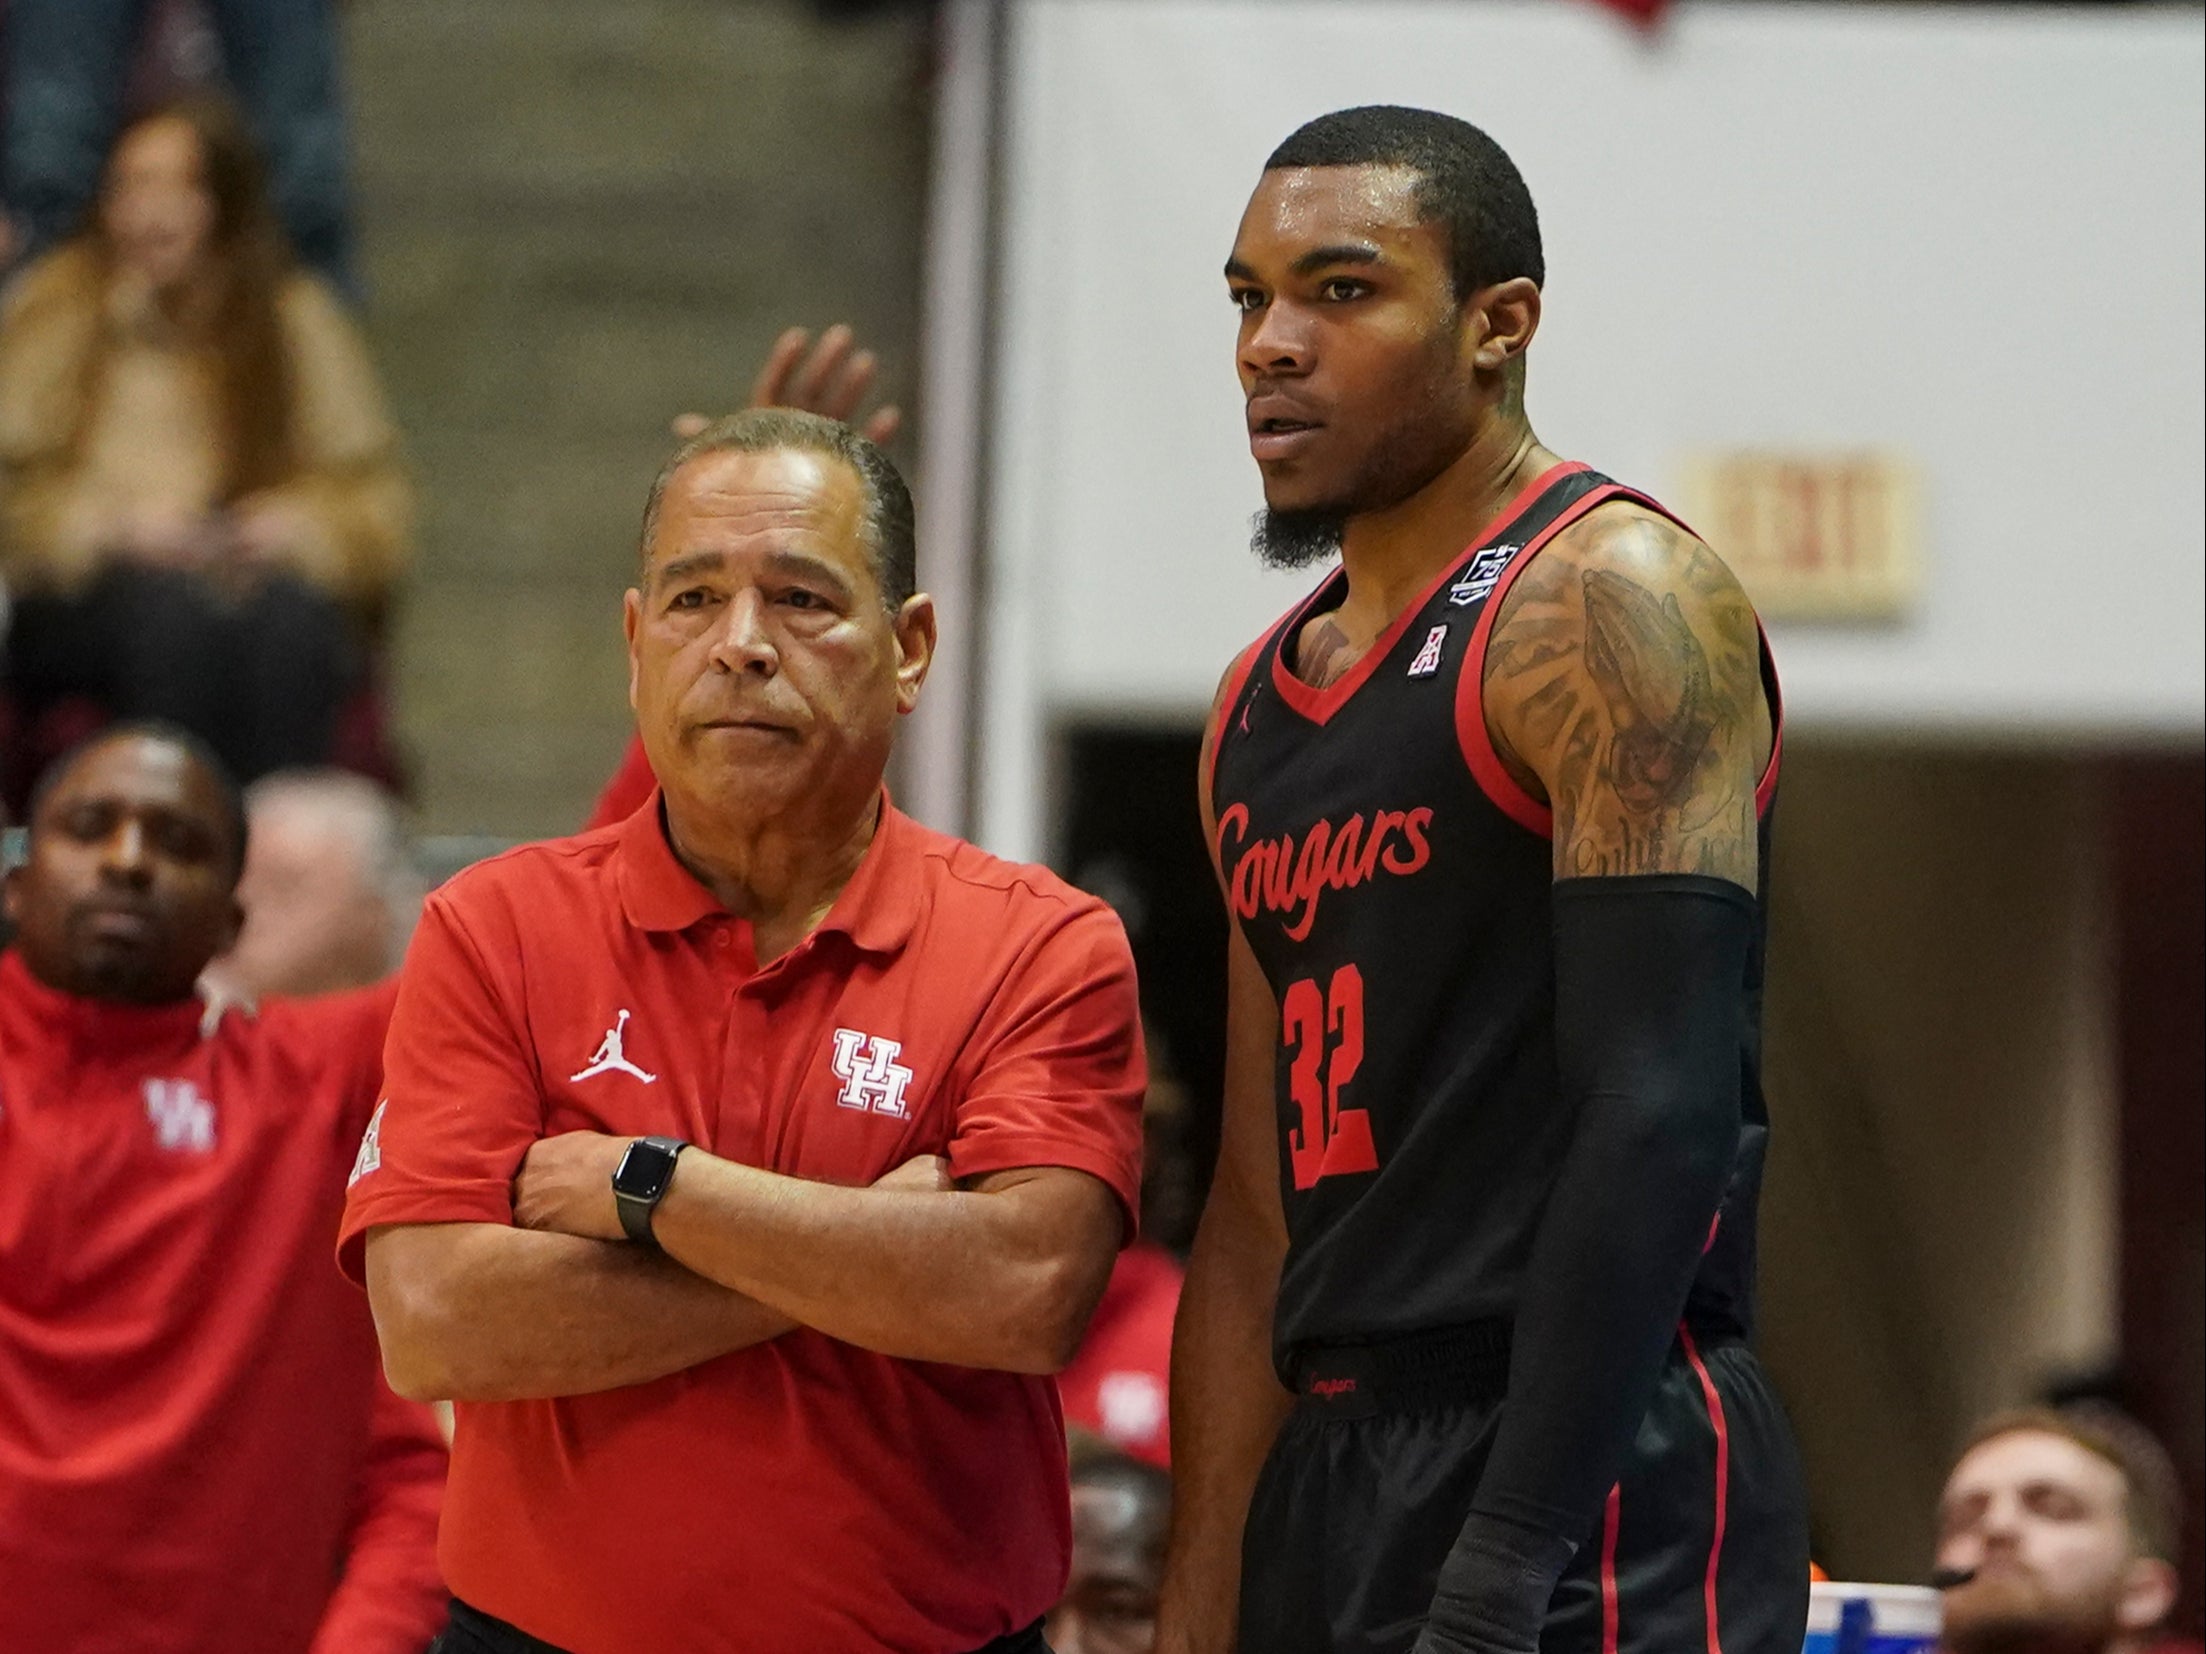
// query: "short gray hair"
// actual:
[[891, 537], [371, 819]]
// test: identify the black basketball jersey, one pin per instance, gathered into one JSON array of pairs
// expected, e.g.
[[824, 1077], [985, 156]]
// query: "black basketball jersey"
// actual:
[[1394, 883]]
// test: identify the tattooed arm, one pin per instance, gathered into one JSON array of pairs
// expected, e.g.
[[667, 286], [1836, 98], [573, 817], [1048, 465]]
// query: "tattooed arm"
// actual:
[[1623, 687]]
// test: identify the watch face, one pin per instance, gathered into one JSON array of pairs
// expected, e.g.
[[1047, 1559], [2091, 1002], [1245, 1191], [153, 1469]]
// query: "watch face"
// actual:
[[644, 1171]]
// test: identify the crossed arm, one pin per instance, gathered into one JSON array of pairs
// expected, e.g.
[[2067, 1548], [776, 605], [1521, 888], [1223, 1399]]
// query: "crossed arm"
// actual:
[[1002, 1275]]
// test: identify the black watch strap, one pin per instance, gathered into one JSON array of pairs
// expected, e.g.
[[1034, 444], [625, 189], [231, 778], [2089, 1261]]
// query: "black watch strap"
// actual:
[[640, 1183]]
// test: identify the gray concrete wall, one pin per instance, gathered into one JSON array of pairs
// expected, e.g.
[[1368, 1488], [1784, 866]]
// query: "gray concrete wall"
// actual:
[[580, 217]]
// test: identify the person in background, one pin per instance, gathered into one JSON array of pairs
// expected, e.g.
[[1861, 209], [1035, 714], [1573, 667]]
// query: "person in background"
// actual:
[[1119, 1384], [2062, 1527], [74, 66], [330, 893], [202, 512], [197, 1448], [1121, 1512]]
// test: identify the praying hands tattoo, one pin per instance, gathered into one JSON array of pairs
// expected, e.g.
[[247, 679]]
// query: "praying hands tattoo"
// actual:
[[1624, 681]]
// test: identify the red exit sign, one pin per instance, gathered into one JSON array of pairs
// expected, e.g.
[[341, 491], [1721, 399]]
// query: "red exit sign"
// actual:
[[1812, 536]]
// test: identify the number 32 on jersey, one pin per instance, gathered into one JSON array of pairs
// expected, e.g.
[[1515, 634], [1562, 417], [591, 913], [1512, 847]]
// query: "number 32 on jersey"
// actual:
[[1322, 1035]]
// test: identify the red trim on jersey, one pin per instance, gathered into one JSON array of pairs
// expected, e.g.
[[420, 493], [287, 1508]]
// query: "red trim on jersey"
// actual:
[[1723, 1477], [1319, 705], [1765, 790], [1493, 777], [1237, 679], [1477, 741], [1611, 1524]]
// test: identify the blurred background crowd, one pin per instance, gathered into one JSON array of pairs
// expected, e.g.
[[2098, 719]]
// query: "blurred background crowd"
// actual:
[[338, 341]]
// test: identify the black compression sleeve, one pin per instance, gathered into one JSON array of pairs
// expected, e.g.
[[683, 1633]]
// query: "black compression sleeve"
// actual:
[[1649, 979]]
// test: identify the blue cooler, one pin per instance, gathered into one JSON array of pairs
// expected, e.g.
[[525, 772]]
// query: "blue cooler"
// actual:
[[1872, 1619]]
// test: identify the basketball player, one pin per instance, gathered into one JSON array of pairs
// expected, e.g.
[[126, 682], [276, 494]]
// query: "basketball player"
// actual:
[[1462, 1359]]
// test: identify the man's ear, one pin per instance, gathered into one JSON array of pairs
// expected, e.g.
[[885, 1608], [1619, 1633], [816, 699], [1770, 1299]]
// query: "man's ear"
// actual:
[[915, 647], [1506, 315], [631, 621], [2148, 1595]]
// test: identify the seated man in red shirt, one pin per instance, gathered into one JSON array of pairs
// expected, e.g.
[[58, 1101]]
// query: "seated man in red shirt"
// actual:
[[718, 1388], [197, 1451]]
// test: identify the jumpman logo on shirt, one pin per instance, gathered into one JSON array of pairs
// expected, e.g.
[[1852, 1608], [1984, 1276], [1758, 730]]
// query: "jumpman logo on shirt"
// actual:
[[610, 1060]]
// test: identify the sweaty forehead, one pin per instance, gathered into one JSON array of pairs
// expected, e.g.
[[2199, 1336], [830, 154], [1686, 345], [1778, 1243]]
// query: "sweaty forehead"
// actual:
[[1294, 208], [782, 497]]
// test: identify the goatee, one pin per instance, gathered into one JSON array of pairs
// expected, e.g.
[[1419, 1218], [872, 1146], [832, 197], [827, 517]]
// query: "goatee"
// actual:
[[1296, 539]]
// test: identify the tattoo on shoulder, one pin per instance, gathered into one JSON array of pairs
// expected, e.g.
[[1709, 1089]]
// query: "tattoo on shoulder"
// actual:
[[1652, 676], [1628, 676]]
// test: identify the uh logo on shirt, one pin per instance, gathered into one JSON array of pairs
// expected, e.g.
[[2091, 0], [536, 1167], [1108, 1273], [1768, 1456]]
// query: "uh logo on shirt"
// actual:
[[873, 1081], [183, 1120]]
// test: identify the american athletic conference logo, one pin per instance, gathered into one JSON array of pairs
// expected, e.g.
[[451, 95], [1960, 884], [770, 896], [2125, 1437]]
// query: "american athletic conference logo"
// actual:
[[874, 1082]]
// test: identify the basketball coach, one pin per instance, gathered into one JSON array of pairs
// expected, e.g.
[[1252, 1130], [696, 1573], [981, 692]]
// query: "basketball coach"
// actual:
[[745, 1167]]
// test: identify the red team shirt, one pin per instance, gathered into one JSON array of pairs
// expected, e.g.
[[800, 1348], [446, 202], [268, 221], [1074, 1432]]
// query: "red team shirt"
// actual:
[[803, 1495], [197, 1450]]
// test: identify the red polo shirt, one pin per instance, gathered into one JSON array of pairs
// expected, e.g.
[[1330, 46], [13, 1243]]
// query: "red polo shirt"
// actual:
[[197, 1449], [804, 1496]]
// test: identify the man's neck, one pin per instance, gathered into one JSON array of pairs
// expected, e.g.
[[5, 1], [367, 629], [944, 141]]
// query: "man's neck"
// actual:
[[1392, 555], [782, 876]]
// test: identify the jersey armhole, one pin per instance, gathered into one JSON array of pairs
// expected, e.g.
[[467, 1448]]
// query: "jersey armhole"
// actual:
[[1477, 743], [1221, 718], [1494, 780], [1765, 790]]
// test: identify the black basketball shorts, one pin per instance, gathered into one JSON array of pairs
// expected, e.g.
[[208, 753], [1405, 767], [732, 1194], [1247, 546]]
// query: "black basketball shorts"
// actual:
[[1703, 1548]]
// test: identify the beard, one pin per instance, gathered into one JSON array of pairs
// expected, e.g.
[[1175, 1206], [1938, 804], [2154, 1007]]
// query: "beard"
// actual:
[[1296, 539], [1406, 456], [2018, 1616]]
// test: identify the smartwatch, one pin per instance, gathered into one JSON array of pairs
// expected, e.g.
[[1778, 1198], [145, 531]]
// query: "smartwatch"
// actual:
[[640, 1183]]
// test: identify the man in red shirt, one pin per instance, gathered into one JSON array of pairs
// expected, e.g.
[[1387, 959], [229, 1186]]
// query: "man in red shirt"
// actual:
[[197, 1452], [718, 1388]]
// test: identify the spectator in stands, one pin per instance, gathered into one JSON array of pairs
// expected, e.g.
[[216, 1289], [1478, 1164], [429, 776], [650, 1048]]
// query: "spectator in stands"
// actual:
[[75, 66], [1121, 1514], [2062, 1525], [330, 892], [197, 1448], [201, 508]]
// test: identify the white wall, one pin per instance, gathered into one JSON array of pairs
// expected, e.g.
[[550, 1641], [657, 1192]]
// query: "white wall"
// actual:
[[1971, 234]]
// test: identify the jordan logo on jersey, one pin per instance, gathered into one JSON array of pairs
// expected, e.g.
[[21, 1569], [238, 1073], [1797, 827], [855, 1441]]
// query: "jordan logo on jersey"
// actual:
[[1278, 875], [1482, 576], [1428, 657], [182, 1119], [611, 1059], [874, 1082]]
